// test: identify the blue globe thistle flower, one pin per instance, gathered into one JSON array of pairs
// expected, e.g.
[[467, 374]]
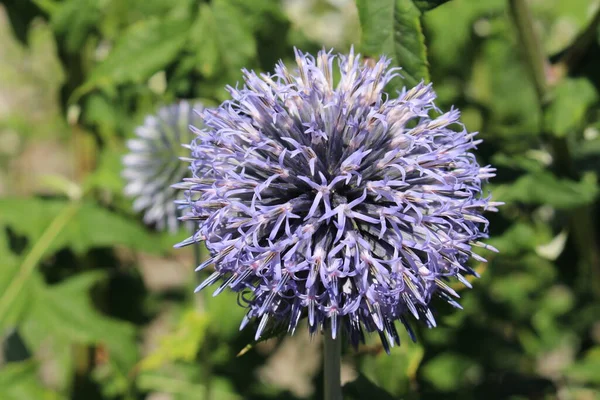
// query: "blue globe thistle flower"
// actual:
[[153, 162], [333, 201]]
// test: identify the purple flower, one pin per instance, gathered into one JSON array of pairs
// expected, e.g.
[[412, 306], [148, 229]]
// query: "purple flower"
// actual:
[[153, 163], [321, 197]]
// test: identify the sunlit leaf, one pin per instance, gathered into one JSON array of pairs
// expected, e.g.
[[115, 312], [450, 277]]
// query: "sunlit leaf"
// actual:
[[91, 226], [588, 369], [145, 48], [393, 28], [20, 381], [180, 345]]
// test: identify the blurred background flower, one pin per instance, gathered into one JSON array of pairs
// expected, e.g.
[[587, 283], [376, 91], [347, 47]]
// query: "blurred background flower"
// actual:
[[153, 163]]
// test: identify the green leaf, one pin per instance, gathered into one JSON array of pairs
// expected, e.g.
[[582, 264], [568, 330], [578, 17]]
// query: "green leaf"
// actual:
[[587, 370], [559, 300], [181, 381], [521, 237], [449, 371], [107, 176], [561, 23], [499, 73], [393, 28], [395, 371], [451, 35], [36, 87], [572, 98], [19, 381], [221, 37], [545, 188], [105, 115], [74, 20], [236, 42], [142, 50], [97, 227], [529, 162], [426, 5], [62, 314], [66, 310], [91, 226], [220, 309], [182, 344], [517, 284], [9, 269], [49, 226], [205, 42]]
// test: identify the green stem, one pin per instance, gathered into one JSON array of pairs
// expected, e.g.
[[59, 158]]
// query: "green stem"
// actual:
[[205, 351], [34, 257], [581, 219], [532, 48], [332, 357]]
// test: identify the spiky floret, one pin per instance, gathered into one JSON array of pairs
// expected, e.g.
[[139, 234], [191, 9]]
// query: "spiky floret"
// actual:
[[153, 162], [333, 201]]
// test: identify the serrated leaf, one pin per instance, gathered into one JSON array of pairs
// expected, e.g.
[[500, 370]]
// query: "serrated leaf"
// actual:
[[205, 42], [91, 226], [393, 28], [52, 225], [222, 37], [426, 5], [62, 314], [142, 50], [66, 310]]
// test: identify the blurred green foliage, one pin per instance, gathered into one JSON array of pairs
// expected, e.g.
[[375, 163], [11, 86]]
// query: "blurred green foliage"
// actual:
[[93, 305]]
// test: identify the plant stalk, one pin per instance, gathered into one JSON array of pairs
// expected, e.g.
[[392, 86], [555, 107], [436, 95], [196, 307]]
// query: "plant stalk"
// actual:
[[332, 359], [205, 350], [531, 46]]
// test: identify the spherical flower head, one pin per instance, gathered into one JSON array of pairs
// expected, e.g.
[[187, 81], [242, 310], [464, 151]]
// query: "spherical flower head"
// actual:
[[322, 197], [153, 162]]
